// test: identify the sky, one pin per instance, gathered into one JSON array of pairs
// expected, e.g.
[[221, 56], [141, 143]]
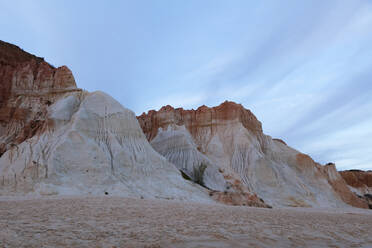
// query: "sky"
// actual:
[[304, 68]]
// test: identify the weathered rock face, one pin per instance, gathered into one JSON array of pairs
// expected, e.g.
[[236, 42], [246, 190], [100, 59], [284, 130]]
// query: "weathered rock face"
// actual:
[[358, 179], [194, 120], [360, 182], [179, 148], [28, 85], [57, 139], [183, 142], [230, 138]]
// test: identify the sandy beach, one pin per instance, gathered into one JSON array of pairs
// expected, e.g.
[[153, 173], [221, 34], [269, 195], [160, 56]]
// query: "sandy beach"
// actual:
[[123, 222]]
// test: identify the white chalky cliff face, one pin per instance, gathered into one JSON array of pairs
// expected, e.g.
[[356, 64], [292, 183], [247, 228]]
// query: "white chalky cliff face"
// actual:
[[229, 140], [58, 139], [92, 145], [176, 144]]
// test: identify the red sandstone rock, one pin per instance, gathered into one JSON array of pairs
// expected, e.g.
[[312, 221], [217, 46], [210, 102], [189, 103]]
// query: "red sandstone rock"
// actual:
[[238, 199], [204, 122], [357, 178], [28, 85], [201, 117], [360, 182], [339, 185]]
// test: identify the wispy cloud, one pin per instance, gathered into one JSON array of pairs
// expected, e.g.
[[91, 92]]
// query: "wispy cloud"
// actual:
[[304, 68]]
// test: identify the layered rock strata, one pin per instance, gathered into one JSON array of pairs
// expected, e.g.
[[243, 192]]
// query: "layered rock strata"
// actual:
[[28, 86], [229, 140], [58, 139], [360, 182]]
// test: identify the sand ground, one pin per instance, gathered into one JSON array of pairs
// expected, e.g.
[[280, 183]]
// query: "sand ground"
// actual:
[[122, 222]]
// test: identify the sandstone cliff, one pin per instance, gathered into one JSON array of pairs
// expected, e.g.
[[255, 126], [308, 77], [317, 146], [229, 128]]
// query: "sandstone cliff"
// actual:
[[58, 139], [358, 179], [360, 182], [28, 86], [228, 141]]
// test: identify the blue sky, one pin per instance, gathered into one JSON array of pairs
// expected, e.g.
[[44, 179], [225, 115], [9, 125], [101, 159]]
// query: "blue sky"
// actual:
[[303, 67]]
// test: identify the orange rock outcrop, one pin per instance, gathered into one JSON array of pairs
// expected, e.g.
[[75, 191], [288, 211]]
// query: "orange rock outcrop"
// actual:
[[203, 122], [28, 85], [201, 117], [357, 178]]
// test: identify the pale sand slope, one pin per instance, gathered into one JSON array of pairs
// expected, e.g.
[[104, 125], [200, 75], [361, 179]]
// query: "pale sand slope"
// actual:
[[123, 222]]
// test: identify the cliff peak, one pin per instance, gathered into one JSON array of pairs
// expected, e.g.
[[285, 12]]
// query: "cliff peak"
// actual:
[[28, 85], [202, 116], [12, 54]]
